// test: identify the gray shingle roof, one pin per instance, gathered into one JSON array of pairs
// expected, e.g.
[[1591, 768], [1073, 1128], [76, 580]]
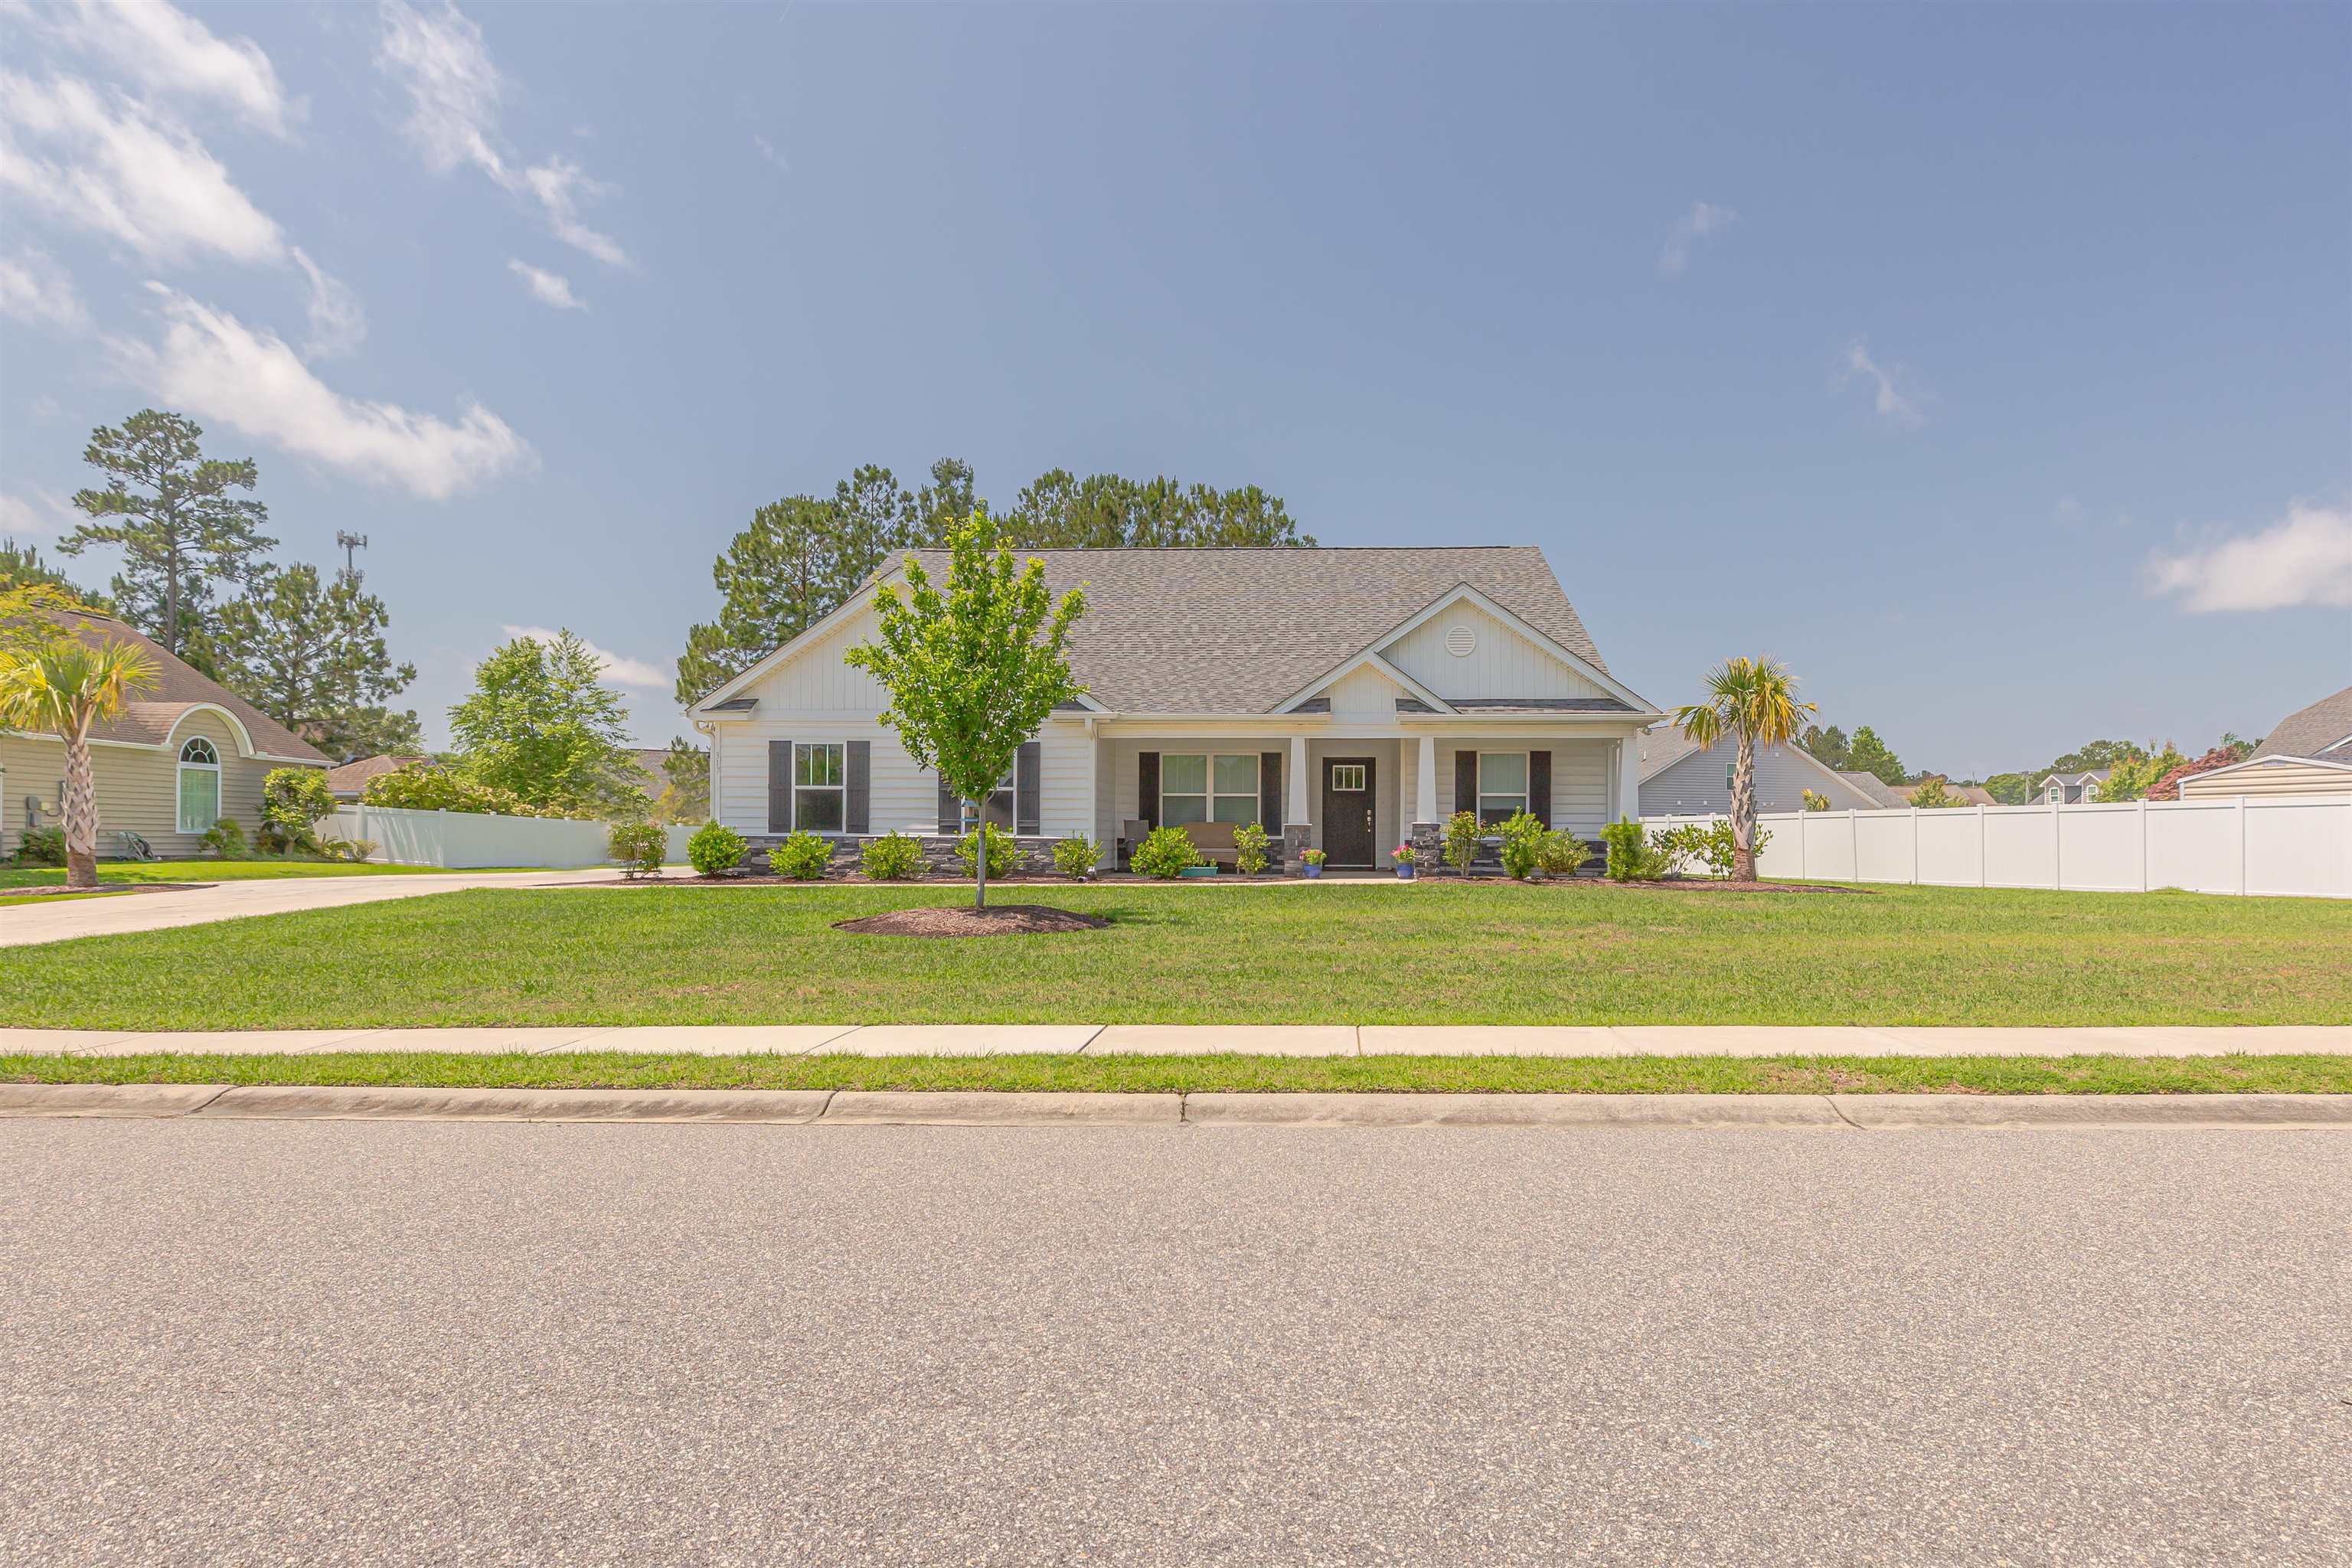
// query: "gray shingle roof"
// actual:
[[1876, 788], [2309, 732], [1662, 748], [1237, 631]]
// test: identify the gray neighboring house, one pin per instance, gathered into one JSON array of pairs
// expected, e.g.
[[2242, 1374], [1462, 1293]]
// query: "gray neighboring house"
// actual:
[[2072, 789], [2310, 753], [1682, 779], [1346, 698]]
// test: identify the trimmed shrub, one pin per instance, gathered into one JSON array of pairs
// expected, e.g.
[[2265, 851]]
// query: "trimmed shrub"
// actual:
[[1249, 848], [1633, 855], [803, 857], [294, 801], [1461, 835], [356, 850], [714, 851], [1000, 851], [1563, 854], [638, 846], [1523, 837], [224, 840], [1077, 856], [893, 858], [41, 846], [1167, 854]]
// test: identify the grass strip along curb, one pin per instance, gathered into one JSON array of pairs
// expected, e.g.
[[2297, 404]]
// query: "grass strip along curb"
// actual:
[[1225, 1074]]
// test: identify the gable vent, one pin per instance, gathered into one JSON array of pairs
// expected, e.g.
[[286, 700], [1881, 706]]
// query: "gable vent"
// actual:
[[1461, 642]]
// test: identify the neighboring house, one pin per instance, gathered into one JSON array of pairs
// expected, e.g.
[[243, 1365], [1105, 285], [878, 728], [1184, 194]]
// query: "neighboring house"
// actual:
[[1882, 797], [2072, 789], [650, 761], [1346, 698], [1975, 794], [349, 782], [2310, 753], [180, 757], [1680, 778]]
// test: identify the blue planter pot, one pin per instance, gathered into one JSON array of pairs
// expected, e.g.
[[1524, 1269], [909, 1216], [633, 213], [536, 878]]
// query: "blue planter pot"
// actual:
[[1404, 873], [1197, 871], [1312, 872]]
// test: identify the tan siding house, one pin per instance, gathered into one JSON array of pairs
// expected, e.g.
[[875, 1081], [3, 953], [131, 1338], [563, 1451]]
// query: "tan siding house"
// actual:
[[2310, 753], [178, 759]]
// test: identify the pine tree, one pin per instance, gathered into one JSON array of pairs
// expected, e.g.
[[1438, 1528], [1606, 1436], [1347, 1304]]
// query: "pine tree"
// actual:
[[312, 656]]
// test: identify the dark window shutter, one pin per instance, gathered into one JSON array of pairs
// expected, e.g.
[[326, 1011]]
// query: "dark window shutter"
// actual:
[[1028, 780], [1539, 787], [1465, 782], [779, 786], [860, 790], [1269, 792], [950, 809], [1147, 789]]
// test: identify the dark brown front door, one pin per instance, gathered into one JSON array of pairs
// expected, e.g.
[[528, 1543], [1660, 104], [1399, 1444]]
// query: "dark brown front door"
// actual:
[[1347, 797]]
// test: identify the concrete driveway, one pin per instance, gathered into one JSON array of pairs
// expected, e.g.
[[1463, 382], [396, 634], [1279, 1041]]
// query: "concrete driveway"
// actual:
[[22, 925], [245, 1343]]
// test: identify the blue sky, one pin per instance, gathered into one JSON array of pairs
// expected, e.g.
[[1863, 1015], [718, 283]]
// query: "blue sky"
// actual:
[[1992, 366]]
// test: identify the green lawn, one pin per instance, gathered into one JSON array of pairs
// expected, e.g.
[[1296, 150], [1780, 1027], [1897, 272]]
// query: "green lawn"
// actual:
[[1435, 953], [131, 871], [1203, 1075]]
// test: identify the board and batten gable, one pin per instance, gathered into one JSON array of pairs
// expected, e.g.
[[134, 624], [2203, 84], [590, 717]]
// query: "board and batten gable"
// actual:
[[1695, 786], [1500, 661]]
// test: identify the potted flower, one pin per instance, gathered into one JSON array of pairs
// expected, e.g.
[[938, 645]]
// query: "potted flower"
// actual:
[[1313, 860], [1404, 857]]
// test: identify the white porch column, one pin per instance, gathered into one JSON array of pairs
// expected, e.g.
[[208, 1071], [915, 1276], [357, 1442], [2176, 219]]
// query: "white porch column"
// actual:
[[1629, 780], [1298, 833], [1425, 782]]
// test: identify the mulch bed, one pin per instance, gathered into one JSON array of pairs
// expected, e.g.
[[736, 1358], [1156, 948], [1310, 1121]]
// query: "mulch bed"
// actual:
[[997, 920]]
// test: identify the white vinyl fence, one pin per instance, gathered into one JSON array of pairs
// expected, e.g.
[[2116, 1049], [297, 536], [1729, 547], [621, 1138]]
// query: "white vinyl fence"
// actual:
[[462, 840], [2297, 845]]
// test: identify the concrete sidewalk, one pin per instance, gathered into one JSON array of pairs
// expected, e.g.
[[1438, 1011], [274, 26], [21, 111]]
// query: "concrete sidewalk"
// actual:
[[23, 925], [1184, 1039]]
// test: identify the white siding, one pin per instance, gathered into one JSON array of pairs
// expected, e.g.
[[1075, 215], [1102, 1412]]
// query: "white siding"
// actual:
[[1579, 776], [1783, 773], [904, 798], [1502, 664], [1365, 693]]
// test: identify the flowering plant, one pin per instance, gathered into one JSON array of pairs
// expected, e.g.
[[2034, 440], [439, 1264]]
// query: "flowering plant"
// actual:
[[1402, 854], [1313, 857]]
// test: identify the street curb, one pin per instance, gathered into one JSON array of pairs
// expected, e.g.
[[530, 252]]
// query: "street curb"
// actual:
[[1847, 1112]]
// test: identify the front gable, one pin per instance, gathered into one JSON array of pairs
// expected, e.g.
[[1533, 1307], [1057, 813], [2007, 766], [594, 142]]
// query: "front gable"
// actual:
[[1464, 651]]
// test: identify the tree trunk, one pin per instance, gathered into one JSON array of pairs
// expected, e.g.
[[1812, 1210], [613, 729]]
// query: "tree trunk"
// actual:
[[1743, 812], [81, 814], [980, 860]]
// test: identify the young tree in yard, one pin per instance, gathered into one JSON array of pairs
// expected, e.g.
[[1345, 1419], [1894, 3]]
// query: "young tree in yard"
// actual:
[[64, 688], [974, 669], [168, 507], [542, 725], [313, 658], [1755, 701]]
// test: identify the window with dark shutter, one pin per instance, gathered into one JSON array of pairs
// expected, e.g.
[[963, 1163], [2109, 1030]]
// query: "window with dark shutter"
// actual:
[[779, 786], [1028, 779], [1147, 789], [860, 794], [1539, 787], [1465, 781], [1269, 792], [950, 809]]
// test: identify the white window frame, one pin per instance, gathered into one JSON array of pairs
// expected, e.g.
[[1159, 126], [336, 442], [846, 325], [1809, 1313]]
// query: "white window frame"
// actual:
[[840, 750], [1356, 771], [1208, 795], [1527, 782], [208, 761]]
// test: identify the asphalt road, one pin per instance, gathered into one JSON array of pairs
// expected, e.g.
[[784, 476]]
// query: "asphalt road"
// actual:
[[401, 1342]]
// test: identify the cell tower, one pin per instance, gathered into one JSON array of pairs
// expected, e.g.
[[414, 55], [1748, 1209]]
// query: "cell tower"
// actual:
[[350, 544]]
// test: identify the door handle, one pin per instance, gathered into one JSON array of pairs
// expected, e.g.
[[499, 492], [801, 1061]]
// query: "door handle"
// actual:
[[1368, 820]]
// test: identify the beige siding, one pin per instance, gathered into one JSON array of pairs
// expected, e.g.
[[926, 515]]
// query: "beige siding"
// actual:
[[1502, 664], [137, 789], [2270, 779]]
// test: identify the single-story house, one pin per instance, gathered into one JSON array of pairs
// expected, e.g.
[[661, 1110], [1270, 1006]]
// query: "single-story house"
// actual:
[[349, 781], [1346, 700], [178, 758], [2310, 753], [1680, 777], [2072, 789]]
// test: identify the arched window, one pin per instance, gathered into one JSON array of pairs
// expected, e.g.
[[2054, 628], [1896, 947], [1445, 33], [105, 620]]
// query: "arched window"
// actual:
[[199, 785]]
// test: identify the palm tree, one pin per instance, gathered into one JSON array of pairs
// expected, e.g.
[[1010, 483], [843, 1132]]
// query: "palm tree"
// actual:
[[65, 689], [1756, 700]]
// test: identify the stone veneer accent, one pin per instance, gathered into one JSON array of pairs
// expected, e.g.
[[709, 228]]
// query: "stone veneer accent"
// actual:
[[1428, 848], [1297, 837]]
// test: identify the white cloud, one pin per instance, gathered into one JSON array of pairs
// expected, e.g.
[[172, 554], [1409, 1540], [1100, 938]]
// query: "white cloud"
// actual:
[[2303, 559], [115, 166], [547, 288], [170, 53], [556, 183], [1703, 219], [35, 289], [214, 366], [1895, 394], [619, 667], [42, 513], [338, 324], [454, 88], [767, 149]]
